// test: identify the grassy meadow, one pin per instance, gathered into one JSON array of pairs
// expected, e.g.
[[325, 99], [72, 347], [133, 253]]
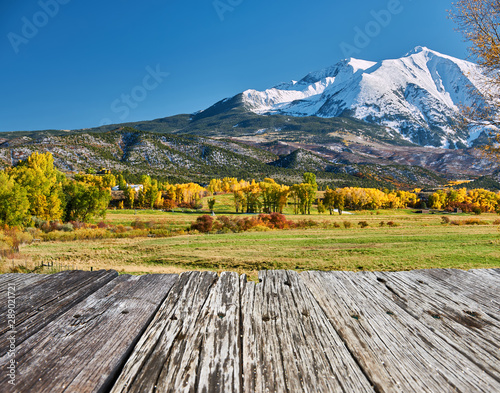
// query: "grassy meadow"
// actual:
[[414, 241]]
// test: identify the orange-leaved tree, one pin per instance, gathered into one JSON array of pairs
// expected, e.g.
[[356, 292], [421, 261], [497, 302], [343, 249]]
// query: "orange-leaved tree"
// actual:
[[479, 22]]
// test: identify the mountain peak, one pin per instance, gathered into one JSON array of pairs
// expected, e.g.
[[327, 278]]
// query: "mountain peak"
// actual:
[[417, 96], [418, 49]]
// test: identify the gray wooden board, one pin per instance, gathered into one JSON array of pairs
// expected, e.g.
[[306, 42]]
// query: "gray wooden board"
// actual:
[[38, 304], [288, 343], [398, 352], [19, 280], [192, 343], [84, 349], [489, 274], [483, 291], [455, 319]]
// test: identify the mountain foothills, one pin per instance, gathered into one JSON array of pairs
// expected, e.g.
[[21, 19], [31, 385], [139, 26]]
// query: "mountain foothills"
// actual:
[[395, 124]]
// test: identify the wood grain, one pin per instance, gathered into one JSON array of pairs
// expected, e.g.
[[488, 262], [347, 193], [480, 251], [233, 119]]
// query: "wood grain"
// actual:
[[46, 299], [289, 345], [19, 280], [84, 349], [167, 356], [398, 352]]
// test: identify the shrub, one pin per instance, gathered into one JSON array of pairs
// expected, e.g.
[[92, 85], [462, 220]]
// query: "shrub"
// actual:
[[169, 204], [363, 224], [102, 225], [445, 220], [203, 224], [392, 224], [305, 224], [229, 224], [77, 224], [34, 232], [336, 225], [55, 226], [474, 221], [37, 222], [382, 223], [119, 229], [68, 227], [45, 227], [347, 224], [496, 222], [477, 211], [469, 221], [274, 220], [138, 224]]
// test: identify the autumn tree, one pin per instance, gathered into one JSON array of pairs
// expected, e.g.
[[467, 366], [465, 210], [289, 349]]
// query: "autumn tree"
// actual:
[[43, 185], [252, 194], [328, 200], [84, 201], [479, 22], [14, 204]]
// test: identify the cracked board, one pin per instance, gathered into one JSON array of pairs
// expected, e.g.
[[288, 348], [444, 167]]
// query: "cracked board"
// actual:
[[38, 304], [84, 349], [288, 343], [19, 280], [192, 344], [398, 352], [457, 320], [480, 286]]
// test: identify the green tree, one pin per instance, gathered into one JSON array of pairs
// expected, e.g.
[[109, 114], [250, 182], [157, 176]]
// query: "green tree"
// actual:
[[339, 201], [211, 204], [14, 204], [310, 178], [329, 200], [84, 201], [304, 195]]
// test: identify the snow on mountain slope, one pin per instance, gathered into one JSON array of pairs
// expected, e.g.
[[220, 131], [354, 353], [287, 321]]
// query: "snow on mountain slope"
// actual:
[[417, 95]]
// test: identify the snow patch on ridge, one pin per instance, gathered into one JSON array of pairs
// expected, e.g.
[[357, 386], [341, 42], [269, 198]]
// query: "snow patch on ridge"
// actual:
[[417, 96]]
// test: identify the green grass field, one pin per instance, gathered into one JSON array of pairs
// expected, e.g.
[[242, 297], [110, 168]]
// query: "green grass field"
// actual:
[[417, 242]]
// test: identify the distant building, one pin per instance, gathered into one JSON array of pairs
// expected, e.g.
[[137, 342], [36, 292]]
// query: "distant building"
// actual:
[[135, 187]]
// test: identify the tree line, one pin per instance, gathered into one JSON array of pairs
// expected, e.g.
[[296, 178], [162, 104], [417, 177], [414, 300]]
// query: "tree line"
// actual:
[[36, 190]]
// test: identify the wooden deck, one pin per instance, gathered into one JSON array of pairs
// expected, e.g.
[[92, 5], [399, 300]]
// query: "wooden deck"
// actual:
[[420, 331]]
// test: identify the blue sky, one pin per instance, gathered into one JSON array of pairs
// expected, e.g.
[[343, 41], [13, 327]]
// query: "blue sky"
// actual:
[[70, 64]]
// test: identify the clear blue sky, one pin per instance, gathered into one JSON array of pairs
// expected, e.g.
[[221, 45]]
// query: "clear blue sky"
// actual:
[[77, 62]]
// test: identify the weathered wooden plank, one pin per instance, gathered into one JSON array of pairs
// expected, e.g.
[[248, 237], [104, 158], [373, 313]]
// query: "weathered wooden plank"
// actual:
[[219, 365], [19, 280], [192, 344], [456, 320], [482, 291], [42, 302], [84, 349], [398, 352], [289, 344], [489, 274]]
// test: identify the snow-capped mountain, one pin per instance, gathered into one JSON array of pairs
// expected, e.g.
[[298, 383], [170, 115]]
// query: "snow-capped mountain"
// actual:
[[417, 96]]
